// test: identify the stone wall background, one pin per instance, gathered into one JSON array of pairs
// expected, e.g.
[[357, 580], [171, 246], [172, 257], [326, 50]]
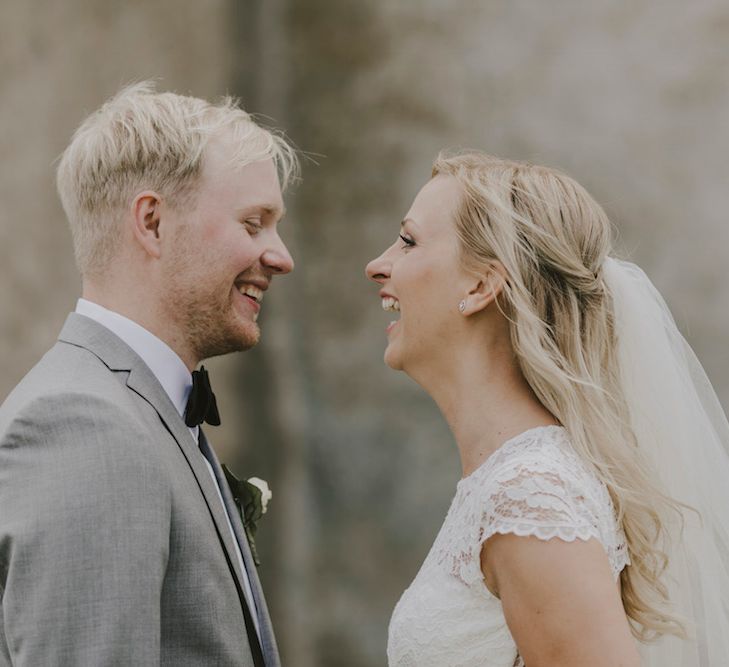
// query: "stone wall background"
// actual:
[[631, 98]]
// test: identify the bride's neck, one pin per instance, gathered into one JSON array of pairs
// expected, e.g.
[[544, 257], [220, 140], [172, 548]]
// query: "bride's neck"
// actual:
[[486, 401]]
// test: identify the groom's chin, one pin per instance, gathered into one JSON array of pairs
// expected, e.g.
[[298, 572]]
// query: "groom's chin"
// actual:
[[244, 336], [250, 338], [239, 340]]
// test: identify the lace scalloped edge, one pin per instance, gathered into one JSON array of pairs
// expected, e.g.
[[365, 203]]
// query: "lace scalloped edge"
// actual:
[[564, 533]]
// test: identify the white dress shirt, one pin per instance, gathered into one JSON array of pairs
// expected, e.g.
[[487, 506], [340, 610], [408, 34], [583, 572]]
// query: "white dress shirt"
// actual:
[[176, 380]]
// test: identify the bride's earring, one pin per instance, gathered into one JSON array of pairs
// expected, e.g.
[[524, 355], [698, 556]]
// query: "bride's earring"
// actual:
[[462, 306]]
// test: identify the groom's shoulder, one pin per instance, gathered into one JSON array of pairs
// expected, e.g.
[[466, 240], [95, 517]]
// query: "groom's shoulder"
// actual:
[[74, 419], [66, 381], [72, 431]]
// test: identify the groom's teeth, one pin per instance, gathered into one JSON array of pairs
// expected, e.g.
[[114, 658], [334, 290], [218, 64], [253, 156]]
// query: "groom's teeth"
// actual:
[[390, 304], [252, 291]]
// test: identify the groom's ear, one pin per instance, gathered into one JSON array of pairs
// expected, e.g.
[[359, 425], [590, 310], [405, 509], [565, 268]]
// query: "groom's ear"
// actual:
[[486, 288], [146, 218]]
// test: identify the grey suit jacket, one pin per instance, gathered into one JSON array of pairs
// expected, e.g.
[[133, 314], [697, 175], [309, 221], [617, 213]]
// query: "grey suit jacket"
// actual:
[[114, 547]]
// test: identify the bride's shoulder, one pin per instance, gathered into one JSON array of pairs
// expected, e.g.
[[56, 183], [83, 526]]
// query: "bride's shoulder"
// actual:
[[541, 450], [539, 476], [533, 485]]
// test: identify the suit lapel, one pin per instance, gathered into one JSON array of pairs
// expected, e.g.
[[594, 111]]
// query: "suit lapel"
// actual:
[[118, 356], [173, 422], [268, 640]]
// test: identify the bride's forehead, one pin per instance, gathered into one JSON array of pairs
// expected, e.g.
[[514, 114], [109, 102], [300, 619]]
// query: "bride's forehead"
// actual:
[[437, 200], [441, 186]]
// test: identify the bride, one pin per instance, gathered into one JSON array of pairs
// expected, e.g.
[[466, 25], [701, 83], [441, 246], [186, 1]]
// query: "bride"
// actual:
[[590, 526]]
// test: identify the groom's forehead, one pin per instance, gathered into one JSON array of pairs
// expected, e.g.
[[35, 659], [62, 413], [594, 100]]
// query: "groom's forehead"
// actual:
[[248, 186]]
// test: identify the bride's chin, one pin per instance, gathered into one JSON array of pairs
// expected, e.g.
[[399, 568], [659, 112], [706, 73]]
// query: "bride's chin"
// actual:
[[392, 359]]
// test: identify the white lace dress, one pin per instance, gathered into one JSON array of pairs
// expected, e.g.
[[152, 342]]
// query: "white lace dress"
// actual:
[[534, 484]]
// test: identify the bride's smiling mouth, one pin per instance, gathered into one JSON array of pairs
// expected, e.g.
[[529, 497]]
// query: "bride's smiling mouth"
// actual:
[[391, 305]]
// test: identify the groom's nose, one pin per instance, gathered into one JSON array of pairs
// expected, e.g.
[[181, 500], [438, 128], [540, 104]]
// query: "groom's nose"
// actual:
[[277, 257]]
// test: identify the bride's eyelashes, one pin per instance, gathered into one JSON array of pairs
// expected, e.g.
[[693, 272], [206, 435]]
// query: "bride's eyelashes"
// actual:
[[409, 243]]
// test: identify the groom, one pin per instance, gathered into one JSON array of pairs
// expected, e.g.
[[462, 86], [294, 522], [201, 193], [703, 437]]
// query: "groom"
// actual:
[[119, 541]]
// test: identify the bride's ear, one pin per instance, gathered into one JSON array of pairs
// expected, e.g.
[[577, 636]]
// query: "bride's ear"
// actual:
[[485, 289]]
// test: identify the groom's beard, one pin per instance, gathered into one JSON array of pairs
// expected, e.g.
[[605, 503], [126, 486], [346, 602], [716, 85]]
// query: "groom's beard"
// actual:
[[200, 303]]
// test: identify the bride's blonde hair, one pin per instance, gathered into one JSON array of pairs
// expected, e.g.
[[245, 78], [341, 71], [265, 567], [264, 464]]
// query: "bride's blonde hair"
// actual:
[[552, 239]]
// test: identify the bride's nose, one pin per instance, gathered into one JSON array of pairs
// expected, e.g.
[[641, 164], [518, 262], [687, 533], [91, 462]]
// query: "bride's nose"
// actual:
[[379, 268]]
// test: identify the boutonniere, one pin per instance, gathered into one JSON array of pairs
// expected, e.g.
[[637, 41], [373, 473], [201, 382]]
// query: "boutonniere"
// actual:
[[251, 496]]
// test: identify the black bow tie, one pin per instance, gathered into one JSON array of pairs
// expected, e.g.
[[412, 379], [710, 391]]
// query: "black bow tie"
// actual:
[[201, 406]]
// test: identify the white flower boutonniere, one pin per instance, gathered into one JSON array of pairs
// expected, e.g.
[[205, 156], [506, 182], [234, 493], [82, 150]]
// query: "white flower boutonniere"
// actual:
[[266, 493], [251, 496]]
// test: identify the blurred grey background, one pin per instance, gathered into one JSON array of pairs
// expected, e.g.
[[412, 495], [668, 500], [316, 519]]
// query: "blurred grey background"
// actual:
[[630, 97]]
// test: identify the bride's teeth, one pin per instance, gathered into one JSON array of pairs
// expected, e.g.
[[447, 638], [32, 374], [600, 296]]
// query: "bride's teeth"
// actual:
[[389, 304]]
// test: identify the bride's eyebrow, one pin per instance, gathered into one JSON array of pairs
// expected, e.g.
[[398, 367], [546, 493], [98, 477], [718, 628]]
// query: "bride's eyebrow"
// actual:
[[406, 220]]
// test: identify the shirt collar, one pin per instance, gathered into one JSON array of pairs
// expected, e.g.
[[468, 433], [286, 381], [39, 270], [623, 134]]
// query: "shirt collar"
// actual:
[[162, 360]]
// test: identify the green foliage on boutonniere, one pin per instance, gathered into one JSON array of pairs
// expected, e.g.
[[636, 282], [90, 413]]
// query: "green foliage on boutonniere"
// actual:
[[251, 496]]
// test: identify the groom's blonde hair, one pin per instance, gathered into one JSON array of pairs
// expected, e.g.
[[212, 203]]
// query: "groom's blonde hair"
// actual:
[[552, 239], [141, 139]]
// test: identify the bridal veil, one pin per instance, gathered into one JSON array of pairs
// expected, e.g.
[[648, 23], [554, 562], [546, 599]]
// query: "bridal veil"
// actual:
[[683, 433]]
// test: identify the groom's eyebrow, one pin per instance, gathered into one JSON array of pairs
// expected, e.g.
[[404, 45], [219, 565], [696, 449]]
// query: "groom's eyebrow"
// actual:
[[274, 210]]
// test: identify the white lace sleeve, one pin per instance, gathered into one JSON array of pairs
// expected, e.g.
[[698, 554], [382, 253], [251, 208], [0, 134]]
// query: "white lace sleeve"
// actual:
[[536, 488], [549, 493], [540, 500]]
